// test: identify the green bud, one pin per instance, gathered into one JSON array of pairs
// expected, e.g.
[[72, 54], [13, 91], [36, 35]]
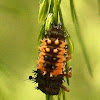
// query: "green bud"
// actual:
[[43, 10], [49, 21]]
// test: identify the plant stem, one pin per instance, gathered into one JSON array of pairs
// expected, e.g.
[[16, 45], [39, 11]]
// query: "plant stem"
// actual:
[[64, 95], [47, 97]]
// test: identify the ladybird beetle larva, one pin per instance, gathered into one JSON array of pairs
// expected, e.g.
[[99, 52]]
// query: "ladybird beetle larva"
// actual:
[[51, 63]]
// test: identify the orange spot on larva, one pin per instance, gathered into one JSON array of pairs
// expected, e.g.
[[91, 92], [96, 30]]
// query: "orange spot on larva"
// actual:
[[48, 41], [57, 42], [51, 75], [55, 50], [47, 49]]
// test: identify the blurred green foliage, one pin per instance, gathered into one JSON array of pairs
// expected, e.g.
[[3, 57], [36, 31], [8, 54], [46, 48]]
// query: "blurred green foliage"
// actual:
[[19, 30]]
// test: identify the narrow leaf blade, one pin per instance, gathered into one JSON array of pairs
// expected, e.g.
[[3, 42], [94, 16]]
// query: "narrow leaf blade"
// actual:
[[78, 32]]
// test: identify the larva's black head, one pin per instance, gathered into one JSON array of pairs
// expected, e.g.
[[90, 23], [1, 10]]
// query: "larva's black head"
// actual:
[[49, 85], [55, 32]]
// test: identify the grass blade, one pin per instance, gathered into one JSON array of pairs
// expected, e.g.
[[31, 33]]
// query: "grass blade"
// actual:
[[75, 21]]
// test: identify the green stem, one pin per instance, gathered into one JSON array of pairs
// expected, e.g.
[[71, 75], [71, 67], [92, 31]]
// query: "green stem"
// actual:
[[47, 97], [55, 11], [75, 21], [60, 96], [64, 98]]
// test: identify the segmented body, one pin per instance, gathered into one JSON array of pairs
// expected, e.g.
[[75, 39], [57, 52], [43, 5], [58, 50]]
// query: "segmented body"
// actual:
[[51, 62], [53, 49]]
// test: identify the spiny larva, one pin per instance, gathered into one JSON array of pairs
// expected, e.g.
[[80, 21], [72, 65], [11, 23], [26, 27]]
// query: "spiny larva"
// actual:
[[53, 55]]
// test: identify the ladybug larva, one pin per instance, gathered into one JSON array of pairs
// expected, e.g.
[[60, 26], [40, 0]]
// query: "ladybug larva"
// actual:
[[53, 55]]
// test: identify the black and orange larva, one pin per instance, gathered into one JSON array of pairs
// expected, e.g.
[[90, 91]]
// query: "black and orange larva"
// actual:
[[53, 54]]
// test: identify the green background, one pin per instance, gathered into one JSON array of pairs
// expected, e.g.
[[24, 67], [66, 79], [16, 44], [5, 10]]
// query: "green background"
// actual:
[[19, 30]]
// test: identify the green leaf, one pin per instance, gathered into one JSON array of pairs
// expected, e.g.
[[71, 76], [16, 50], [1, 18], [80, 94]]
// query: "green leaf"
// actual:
[[49, 21], [43, 10], [78, 32]]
